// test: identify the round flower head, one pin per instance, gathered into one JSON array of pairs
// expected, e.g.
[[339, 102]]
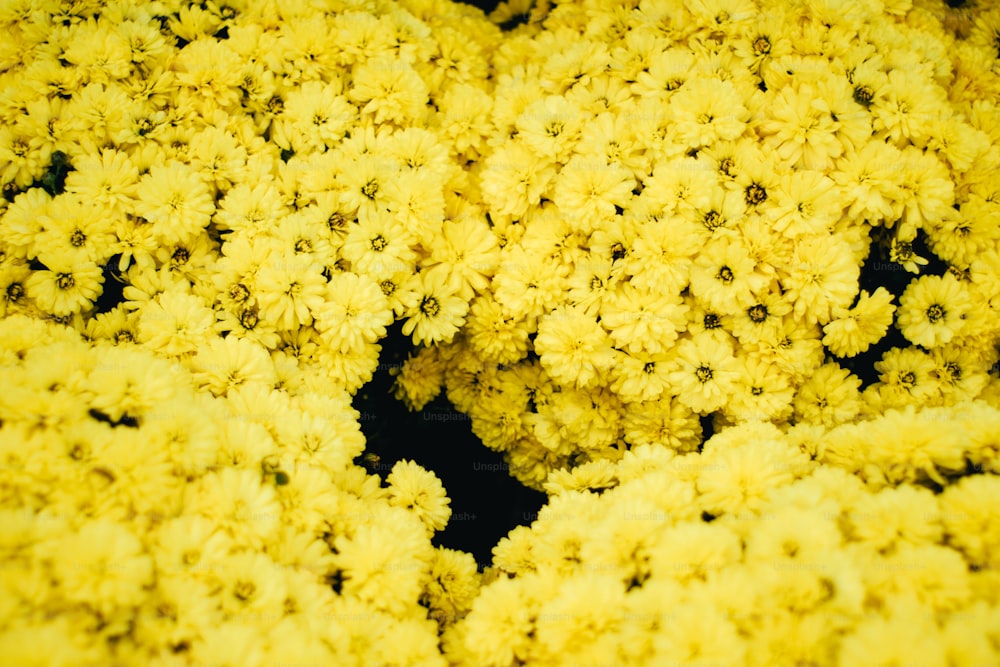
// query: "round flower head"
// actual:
[[419, 491], [177, 200], [354, 312], [434, 312], [932, 310], [573, 348], [853, 330], [67, 286], [704, 373], [420, 378]]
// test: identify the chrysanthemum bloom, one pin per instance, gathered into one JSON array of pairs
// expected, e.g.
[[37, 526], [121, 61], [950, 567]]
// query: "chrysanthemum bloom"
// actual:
[[493, 332], [804, 202], [550, 127], [289, 290], [527, 284], [704, 373], [175, 323], [932, 310], [800, 128], [513, 179], [661, 254], [708, 110], [763, 393], [468, 251], [588, 191], [724, 277], [250, 210], [388, 90], [419, 491], [229, 362], [354, 312], [681, 186], [666, 421], [67, 286], [970, 517], [830, 396], [103, 564], [453, 585], [385, 559], [906, 377], [573, 348], [822, 278], [853, 330], [379, 245], [434, 313], [176, 199], [896, 516], [737, 477], [315, 117], [108, 180]]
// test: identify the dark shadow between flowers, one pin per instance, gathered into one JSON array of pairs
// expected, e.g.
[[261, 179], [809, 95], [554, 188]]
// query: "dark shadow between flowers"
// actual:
[[486, 502]]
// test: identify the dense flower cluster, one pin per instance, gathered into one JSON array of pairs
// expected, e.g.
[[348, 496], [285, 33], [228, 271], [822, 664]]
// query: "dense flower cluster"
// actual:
[[604, 231], [746, 554], [687, 195], [148, 514]]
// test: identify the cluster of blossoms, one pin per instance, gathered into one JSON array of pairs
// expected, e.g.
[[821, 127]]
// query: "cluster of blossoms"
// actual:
[[698, 203], [749, 553], [148, 516], [211, 213], [604, 231]]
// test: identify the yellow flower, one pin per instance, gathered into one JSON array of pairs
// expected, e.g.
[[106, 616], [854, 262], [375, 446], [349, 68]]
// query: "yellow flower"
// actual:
[[434, 313], [316, 117], [800, 128], [175, 323], [853, 330], [513, 178], [932, 310], [68, 285], [354, 312], [23, 157], [107, 179], [641, 320], [724, 278], [388, 90], [707, 111], [228, 362], [289, 290], [830, 396], [588, 192], [493, 332], [704, 374], [970, 515], [102, 565], [379, 245], [250, 210], [906, 377], [239, 502], [177, 200], [419, 491], [550, 127], [420, 378], [822, 278], [573, 347], [13, 292], [385, 560], [896, 516]]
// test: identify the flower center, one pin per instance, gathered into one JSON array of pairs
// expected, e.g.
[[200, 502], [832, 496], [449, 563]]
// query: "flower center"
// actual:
[[703, 373], [379, 243], [864, 95], [65, 281], [755, 194], [757, 313], [77, 238], [762, 46], [935, 312], [725, 275], [15, 291], [712, 220], [370, 189], [429, 306], [711, 321], [239, 292]]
